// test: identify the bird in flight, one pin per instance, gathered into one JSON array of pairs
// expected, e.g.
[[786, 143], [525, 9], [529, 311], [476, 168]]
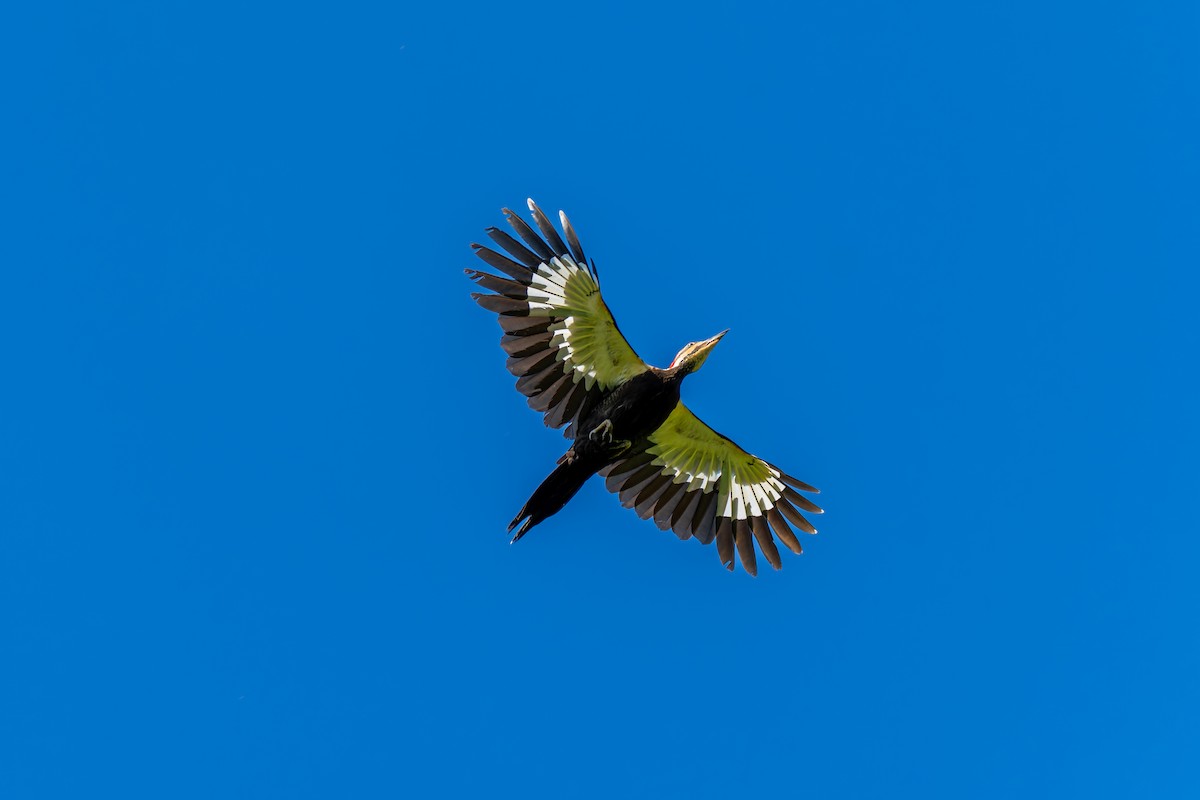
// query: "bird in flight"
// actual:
[[624, 416]]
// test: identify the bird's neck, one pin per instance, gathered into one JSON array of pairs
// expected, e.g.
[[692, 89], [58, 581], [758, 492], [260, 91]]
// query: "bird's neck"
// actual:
[[677, 372]]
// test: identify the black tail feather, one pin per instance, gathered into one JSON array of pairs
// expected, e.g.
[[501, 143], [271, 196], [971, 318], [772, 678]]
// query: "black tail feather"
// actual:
[[554, 492]]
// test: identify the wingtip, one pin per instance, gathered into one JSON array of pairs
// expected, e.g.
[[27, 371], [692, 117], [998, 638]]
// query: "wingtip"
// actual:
[[529, 202]]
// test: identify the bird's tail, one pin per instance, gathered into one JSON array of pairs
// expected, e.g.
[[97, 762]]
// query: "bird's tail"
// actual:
[[558, 487]]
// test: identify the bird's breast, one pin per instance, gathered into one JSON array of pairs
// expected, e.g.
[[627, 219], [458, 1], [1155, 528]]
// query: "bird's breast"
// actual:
[[635, 409]]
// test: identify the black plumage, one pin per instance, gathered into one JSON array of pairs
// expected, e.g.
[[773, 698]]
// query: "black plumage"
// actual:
[[624, 417]]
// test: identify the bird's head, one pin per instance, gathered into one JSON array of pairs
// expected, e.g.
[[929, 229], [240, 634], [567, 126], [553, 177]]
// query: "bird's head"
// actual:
[[693, 354]]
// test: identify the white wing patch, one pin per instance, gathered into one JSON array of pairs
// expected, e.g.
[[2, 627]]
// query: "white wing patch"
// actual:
[[691, 453], [586, 336], [548, 290], [741, 500], [737, 499], [562, 343]]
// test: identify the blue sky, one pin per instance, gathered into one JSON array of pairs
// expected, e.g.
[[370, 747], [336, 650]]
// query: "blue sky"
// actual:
[[260, 446]]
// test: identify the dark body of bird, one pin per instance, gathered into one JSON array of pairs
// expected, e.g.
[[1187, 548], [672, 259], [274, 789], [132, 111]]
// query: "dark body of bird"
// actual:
[[620, 422], [636, 408], [625, 416]]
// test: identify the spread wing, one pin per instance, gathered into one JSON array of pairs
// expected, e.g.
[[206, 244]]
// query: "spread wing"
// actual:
[[696, 482], [562, 342]]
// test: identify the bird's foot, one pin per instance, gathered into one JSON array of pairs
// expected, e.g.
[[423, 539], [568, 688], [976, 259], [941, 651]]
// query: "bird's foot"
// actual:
[[602, 432]]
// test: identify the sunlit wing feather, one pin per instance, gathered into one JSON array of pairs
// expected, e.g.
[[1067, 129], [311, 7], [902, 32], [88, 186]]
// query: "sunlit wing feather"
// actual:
[[697, 483], [562, 342]]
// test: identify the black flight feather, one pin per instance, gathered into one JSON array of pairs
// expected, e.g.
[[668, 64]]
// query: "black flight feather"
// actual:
[[794, 516], [724, 538], [576, 247], [528, 236], [765, 543], [801, 485], [525, 345], [647, 499], [681, 520], [783, 532], [517, 291], [801, 500], [556, 242], [503, 263], [745, 546], [704, 523], [505, 306], [514, 248], [530, 365]]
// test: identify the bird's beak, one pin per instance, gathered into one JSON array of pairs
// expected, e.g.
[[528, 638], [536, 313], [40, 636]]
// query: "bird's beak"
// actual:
[[709, 344]]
